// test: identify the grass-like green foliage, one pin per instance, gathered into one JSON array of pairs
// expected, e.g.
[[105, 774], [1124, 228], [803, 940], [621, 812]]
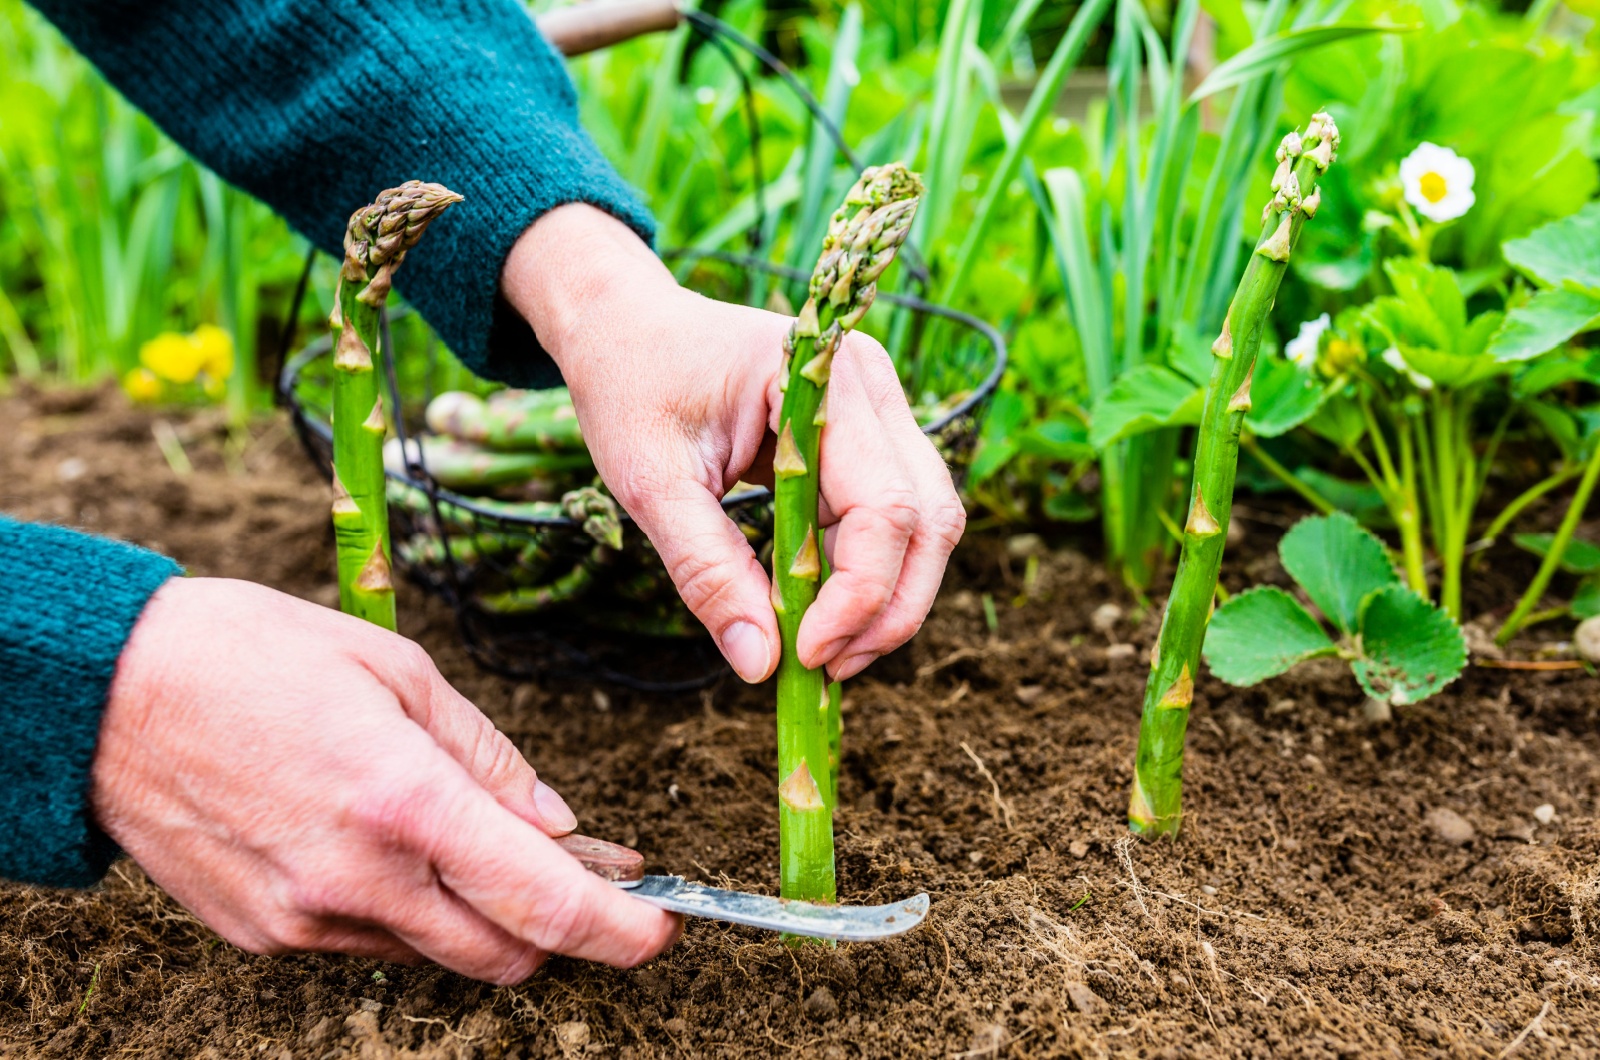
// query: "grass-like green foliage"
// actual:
[[109, 234], [1400, 647], [1149, 271]]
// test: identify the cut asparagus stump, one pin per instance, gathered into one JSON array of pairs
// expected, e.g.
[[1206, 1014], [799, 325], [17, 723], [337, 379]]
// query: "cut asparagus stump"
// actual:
[[375, 243], [1156, 806], [861, 241]]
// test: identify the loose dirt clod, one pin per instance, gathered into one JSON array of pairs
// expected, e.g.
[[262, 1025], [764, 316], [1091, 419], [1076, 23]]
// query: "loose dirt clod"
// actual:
[[1448, 826], [1586, 639]]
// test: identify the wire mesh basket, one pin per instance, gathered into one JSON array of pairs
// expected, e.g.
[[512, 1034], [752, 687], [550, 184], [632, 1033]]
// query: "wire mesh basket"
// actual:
[[547, 586]]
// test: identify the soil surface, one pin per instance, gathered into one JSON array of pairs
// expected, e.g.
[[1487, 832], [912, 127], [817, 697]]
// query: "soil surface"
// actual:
[[1343, 889]]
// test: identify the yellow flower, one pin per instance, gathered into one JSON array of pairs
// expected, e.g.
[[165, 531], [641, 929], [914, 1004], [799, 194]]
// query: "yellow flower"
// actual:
[[142, 385], [216, 351], [175, 358]]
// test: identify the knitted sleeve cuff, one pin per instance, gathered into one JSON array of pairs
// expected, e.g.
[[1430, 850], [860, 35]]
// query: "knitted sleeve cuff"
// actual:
[[67, 605], [316, 107]]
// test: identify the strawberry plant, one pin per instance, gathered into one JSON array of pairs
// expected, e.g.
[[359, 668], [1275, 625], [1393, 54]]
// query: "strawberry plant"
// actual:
[[1400, 647]]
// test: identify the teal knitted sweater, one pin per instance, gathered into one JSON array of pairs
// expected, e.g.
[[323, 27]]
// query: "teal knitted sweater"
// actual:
[[314, 108]]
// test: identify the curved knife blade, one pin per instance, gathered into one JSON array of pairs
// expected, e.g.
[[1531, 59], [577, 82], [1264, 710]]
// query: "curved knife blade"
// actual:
[[848, 923]]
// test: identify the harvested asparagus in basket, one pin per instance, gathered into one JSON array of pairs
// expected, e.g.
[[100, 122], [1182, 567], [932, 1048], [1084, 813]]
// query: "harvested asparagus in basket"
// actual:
[[465, 467], [541, 420]]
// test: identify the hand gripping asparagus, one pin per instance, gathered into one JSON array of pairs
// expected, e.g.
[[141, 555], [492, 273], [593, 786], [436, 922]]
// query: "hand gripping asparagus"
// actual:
[[1156, 807], [375, 243], [862, 239]]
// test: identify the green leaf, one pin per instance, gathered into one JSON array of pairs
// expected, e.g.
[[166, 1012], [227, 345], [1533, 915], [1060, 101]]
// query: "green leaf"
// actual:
[[1548, 319], [1409, 648], [1263, 56], [997, 438], [1566, 251], [1337, 563], [1581, 557], [1586, 601], [1069, 506], [1559, 423], [1056, 440], [1339, 421], [1358, 497], [1282, 397], [1550, 372], [1262, 633], [1145, 398]]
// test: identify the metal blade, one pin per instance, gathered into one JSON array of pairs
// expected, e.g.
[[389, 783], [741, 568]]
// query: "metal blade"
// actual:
[[850, 923]]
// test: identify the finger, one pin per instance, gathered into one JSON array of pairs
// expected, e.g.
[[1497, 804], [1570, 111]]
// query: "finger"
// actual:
[[441, 927], [515, 876], [942, 520], [358, 940], [716, 573], [878, 507], [462, 730]]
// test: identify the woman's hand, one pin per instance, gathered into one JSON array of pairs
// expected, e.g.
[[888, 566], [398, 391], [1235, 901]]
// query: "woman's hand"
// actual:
[[678, 398], [302, 780]]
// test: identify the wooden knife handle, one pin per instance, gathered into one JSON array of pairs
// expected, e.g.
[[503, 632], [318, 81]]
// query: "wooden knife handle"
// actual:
[[588, 27], [609, 861]]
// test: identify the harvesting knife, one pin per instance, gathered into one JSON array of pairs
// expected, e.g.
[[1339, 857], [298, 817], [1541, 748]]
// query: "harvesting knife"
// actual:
[[624, 867]]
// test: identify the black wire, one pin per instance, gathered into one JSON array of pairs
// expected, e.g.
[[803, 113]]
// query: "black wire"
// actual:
[[913, 261], [290, 325]]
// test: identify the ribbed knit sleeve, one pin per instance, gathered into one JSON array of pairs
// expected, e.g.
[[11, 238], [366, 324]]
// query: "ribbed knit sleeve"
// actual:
[[315, 107], [67, 604]]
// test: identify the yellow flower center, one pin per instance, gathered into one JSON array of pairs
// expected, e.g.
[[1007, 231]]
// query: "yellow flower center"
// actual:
[[1433, 187]]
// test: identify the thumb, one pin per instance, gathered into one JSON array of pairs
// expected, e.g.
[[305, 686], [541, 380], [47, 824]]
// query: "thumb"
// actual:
[[486, 753], [717, 574]]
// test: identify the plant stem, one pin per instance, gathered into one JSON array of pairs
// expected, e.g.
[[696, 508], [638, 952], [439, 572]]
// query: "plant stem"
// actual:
[[1285, 476], [1156, 805], [375, 244], [1527, 497], [1558, 548], [862, 239], [1401, 504]]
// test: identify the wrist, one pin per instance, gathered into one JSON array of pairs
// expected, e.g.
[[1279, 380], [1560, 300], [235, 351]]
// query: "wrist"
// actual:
[[570, 268]]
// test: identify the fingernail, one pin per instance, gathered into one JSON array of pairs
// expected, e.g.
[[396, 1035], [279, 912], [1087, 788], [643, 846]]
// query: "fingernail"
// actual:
[[854, 665], [747, 651], [553, 809]]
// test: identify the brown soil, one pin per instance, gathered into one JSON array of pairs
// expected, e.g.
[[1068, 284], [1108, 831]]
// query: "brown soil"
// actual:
[[1311, 908]]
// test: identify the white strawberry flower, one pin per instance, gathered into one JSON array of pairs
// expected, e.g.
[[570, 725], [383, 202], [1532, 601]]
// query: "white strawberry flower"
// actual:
[[1393, 359], [1302, 349], [1437, 182]]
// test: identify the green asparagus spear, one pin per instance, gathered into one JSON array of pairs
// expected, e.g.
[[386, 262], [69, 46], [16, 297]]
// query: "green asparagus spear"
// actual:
[[415, 500], [465, 467], [375, 243], [1156, 806], [861, 241], [540, 420]]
